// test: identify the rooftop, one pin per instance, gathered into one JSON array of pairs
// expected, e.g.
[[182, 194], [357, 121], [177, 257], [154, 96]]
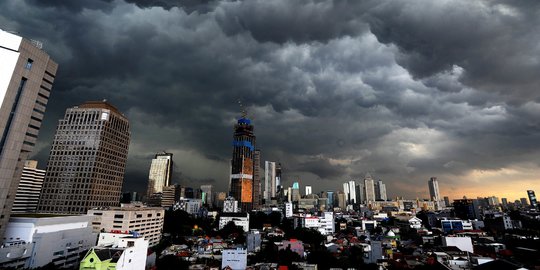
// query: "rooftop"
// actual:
[[38, 215], [100, 105]]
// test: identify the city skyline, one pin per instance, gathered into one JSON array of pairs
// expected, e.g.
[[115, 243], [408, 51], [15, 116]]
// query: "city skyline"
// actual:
[[374, 89]]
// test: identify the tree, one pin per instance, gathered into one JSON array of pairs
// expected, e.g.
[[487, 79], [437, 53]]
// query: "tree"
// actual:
[[308, 236], [323, 259]]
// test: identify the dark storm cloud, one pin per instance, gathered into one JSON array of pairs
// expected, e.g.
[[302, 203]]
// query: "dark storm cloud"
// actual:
[[494, 41], [403, 90], [298, 21]]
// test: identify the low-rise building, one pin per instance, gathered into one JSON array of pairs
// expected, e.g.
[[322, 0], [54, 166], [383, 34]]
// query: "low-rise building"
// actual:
[[147, 221], [324, 224], [117, 251], [34, 240], [239, 219]]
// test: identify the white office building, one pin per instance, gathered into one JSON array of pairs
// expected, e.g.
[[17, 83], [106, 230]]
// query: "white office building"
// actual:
[[147, 221], [239, 219], [288, 209], [36, 240], [230, 205], [309, 190]]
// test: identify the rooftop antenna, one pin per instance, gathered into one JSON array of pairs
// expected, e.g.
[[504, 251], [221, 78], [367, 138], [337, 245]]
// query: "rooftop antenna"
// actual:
[[242, 109]]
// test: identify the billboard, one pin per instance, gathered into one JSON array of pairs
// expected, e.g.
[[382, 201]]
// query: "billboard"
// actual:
[[236, 259]]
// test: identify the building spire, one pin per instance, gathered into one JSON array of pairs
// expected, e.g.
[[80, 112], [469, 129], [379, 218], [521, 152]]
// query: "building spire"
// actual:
[[242, 109]]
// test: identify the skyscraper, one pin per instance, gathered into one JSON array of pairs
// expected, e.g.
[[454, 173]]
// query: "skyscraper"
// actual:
[[279, 185], [241, 184], [434, 189], [353, 199], [87, 160], [257, 190], [532, 198], [27, 197], [346, 192], [26, 77], [160, 173], [308, 190], [330, 199], [295, 192], [208, 196], [504, 202], [369, 185], [380, 191], [269, 181]]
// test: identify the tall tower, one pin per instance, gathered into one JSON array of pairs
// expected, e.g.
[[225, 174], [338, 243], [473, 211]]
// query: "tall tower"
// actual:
[[257, 193], [160, 173], [87, 160], [353, 199], [380, 191], [532, 198], [369, 185], [26, 77], [269, 181], [242, 163], [434, 189]]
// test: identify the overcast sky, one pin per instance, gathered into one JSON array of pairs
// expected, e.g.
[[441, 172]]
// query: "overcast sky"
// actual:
[[404, 90]]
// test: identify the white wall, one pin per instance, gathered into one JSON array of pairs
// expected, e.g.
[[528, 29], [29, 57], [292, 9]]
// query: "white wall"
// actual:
[[463, 243], [8, 59]]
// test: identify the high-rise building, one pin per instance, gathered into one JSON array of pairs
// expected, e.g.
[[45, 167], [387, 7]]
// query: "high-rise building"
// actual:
[[341, 201], [241, 183], [464, 209], [27, 197], [532, 198], [380, 191], [351, 191], [160, 173], [26, 77], [330, 199], [295, 195], [346, 192], [360, 192], [279, 185], [492, 201], [504, 202], [208, 196], [523, 202], [446, 201], [434, 189], [270, 187], [257, 190], [369, 185], [353, 199], [87, 160], [308, 190]]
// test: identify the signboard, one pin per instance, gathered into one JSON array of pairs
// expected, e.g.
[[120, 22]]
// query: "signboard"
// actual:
[[236, 259]]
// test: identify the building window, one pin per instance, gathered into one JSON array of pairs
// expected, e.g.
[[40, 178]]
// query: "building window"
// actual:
[[29, 63]]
